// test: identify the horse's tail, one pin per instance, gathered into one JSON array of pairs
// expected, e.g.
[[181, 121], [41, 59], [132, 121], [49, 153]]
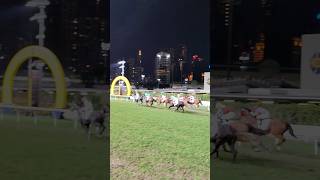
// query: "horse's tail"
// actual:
[[200, 102], [256, 131], [290, 129]]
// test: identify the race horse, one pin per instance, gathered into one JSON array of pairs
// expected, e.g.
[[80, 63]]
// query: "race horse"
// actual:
[[276, 128], [96, 119], [149, 100], [225, 135], [231, 133], [138, 98], [234, 131], [194, 101], [163, 100], [179, 103]]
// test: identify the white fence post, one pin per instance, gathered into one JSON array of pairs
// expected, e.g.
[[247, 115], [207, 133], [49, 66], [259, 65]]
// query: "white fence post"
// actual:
[[316, 147], [18, 116], [55, 121], [1, 114], [89, 133], [35, 119]]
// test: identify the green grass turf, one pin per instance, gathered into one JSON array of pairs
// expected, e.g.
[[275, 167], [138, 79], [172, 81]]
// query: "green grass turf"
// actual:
[[42, 151], [156, 143], [295, 162]]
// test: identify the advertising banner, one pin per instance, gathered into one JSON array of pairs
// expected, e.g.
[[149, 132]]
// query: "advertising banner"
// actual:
[[310, 62], [206, 82]]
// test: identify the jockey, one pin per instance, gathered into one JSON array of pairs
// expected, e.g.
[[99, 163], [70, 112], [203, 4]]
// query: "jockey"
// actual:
[[86, 109], [191, 99], [137, 95], [224, 114], [175, 100], [154, 97], [163, 98], [180, 97], [263, 116], [147, 95]]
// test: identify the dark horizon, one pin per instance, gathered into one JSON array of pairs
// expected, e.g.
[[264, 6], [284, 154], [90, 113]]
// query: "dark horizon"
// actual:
[[288, 19], [155, 24]]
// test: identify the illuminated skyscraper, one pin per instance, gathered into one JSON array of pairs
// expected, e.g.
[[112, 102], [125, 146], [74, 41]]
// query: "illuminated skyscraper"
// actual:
[[163, 68], [76, 30], [137, 69], [139, 58]]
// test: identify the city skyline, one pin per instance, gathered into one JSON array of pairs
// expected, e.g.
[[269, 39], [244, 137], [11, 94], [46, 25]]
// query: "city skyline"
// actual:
[[155, 25], [273, 26], [75, 32]]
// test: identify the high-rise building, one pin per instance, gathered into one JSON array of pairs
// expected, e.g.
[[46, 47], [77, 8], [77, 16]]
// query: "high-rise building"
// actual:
[[296, 51], [197, 68], [129, 68], [223, 25], [163, 69], [75, 32], [182, 60], [266, 5], [258, 52], [137, 69], [139, 58]]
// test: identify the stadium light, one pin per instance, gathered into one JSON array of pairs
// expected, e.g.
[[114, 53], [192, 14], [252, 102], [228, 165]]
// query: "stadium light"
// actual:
[[122, 67], [37, 3], [121, 62]]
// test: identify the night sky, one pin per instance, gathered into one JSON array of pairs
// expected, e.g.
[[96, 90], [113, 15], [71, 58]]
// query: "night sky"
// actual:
[[16, 29], [154, 24], [290, 18], [14, 19]]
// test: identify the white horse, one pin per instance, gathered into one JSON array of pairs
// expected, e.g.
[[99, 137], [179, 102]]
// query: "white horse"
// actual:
[[88, 119]]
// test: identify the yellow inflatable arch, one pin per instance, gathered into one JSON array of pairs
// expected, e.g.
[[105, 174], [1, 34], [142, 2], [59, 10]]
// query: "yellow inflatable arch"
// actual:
[[126, 81], [49, 58]]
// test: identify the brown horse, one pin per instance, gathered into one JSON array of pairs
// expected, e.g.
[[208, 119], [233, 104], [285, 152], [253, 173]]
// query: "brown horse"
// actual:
[[165, 101], [197, 102], [150, 101], [245, 132], [277, 128], [233, 132]]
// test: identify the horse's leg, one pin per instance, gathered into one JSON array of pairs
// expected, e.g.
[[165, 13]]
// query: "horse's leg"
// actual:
[[254, 142], [225, 149], [279, 140], [87, 127], [218, 143], [232, 144], [103, 127], [276, 142], [263, 146]]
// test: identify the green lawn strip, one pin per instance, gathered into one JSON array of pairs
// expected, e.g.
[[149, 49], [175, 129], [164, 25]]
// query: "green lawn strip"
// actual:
[[295, 161], [43, 151], [159, 139]]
